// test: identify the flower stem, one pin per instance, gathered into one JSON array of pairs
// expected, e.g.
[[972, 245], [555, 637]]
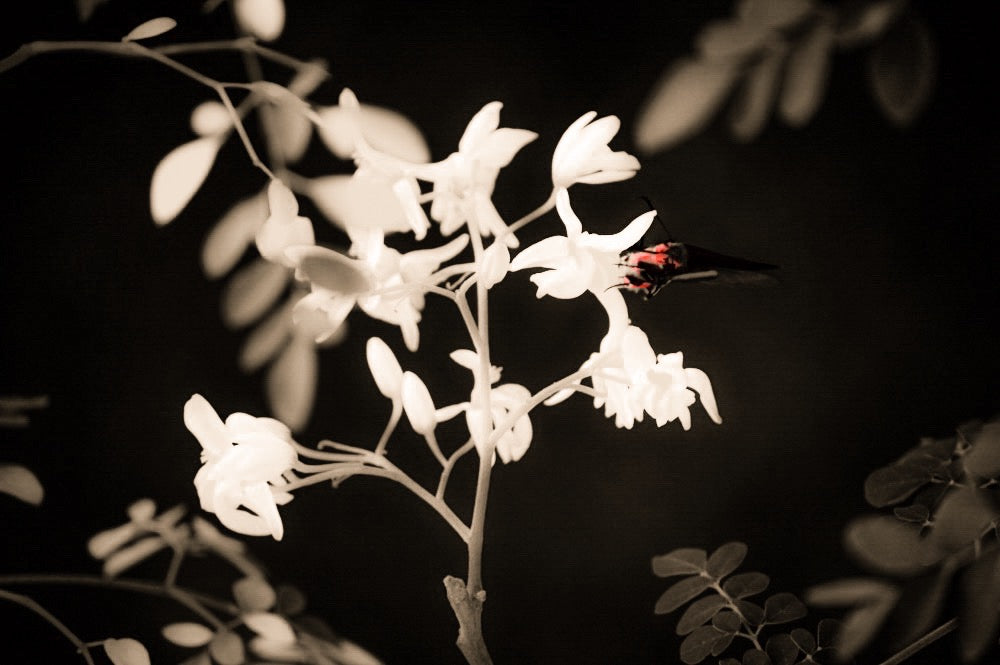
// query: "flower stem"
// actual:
[[924, 641], [549, 204], [28, 603]]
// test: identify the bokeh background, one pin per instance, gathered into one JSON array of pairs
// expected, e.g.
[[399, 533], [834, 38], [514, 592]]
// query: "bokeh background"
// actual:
[[880, 330]]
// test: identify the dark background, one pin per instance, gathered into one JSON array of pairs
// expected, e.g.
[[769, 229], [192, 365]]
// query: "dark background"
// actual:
[[881, 330]]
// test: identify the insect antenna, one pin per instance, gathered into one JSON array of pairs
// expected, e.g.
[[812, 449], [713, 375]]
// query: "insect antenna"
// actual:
[[662, 225]]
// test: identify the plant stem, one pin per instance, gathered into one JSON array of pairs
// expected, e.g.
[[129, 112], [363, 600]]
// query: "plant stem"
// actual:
[[924, 641], [30, 604]]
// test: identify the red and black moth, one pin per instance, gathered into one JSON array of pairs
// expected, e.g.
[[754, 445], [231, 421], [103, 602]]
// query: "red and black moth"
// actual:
[[648, 270]]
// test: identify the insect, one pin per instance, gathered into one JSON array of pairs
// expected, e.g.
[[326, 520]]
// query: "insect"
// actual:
[[649, 270]]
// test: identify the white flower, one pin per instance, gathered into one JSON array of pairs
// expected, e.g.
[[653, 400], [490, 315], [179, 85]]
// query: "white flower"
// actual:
[[284, 227], [632, 380], [583, 155], [245, 459], [582, 261]]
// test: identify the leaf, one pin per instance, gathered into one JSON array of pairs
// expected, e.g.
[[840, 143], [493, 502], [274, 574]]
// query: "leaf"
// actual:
[[806, 74], [782, 608], [179, 176], [983, 460], [85, 8], [21, 483], [726, 559], [699, 612], [850, 591], [264, 341], [229, 239], [727, 621], [862, 23], [291, 601], [917, 513], [753, 613], [254, 594], [227, 648], [132, 555], [776, 14], [804, 640], [920, 604], [683, 102], [860, 626], [384, 129], [755, 657], [291, 383], [680, 593], [960, 519], [684, 561], [729, 38], [263, 19], [126, 651], [200, 658], [886, 545], [358, 203], [756, 96], [826, 632], [105, 542], [332, 270], [252, 291], [150, 28], [287, 129], [902, 70], [895, 483], [746, 584], [698, 645], [270, 626], [210, 118], [782, 649], [722, 643], [187, 634], [979, 619]]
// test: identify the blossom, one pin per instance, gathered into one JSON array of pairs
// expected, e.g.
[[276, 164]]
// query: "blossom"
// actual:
[[583, 155], [245, 462], [630, 380], [284, 227], [582, 261]]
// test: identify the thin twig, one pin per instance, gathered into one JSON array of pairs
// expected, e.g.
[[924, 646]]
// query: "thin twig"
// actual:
[[31, 604], [924, 641]]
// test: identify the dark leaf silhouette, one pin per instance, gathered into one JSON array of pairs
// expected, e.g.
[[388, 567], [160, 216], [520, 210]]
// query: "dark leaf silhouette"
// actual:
[[782, 608], [902, 69], [984, 458], [885, 545], [806, 74], [684, 561], [726, 559], [746, 584], [892, 484], [698, 645], [727, 621], [781, 649], [699, 612], [756, 657], [756, 96], [681, 593]]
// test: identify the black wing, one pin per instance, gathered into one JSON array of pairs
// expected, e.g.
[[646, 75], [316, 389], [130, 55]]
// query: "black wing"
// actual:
[[700, 259]]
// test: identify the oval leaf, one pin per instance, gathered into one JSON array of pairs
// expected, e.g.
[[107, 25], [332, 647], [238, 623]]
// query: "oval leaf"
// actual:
[[804, 640], [753, 613], [726, 559], [886, 545], [960, 519], [698, 645], [21, 483], [254, 594], [291, 383], [979, 619], [850, 591], [331, 270], [179, 175], [132, 555], [270, 626], [264, 342], [782, 649], [782, 608], [150, 28], [187, 634], [384, 129], [860, 626], [902, 69], [288, 130], [252, 291], [264, 19], [291, 601], [226, 243], [227, 648], [746, 584], [806, 75], [984, 458], [126, 651], [892, 484], [684, 561], [701, 610], [681, 593], [727, 621], [683, 102], [756, 97], [756, 657]]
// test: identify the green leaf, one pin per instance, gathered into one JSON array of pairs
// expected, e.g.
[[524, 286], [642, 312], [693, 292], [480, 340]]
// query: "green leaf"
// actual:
[[782, 649], [151, 28], [727, 621], [683, 102], [227, 648], [983, 460], [680, 593], [885, 545], [902, 70], [698, 645], [804, 640], [699, 612], [21, 483], [726, 559], [782, 608], [979, 620], [746, 584], [684, 561], [756, 657], [806, 74], [892, 484], [253, 594], [187, 634], [126, 651]]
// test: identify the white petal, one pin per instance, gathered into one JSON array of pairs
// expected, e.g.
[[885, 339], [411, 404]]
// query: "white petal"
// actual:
[[270, 626], [258, 498], [420, 263], [543, 254], [485, 121], [624, 239], [562, 284], [495, 264], [566, 214], [331, 270], [699, 381], [501, 146], [384, 367], [566, 143], [277, 235], [287, 129], [407, 192], [202, 421]]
